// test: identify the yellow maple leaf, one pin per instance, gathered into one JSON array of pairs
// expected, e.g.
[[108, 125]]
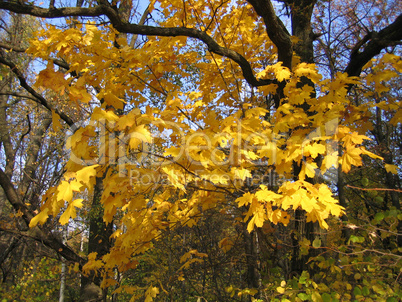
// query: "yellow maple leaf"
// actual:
[[40, 218], [330, 160], [354, 138], [257, 220], [314, 149], [371, 154], [309, 71], [250, 154], [79, 93], [266, 195], [66, 189], [246, 199], [397, 118], [100, 114], [269, 151], [92, 263], [56, 121], [226, 244], [391, 168], [151, 293], [71, 212], [282, 73], [174, 177], [286, 202], [113, 101], [87, 175], [268, 89], [309, 204], [308, 169], [107, 282], [351, 157], [129, 119], [139, 135]]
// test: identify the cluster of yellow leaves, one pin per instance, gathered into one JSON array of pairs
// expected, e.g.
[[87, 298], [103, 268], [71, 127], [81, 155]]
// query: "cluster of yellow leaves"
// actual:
[[189, 258], [54, 200], [381, 77], [265, 205], [92, 264]]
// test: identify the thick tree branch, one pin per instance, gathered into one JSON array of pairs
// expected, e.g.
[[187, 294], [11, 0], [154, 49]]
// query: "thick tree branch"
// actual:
[[276, 30], [46, 238], [376, 43], [21, 8], [104, 9], [10, 47], [24, 84]]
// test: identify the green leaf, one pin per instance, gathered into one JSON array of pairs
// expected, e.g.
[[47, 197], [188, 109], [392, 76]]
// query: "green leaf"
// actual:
[[365, 291], [357, 291], [355, 239], [379, 216], [379, 199], [303, 296], [364, 182], [326, 297], [303, 278], [317, 242]]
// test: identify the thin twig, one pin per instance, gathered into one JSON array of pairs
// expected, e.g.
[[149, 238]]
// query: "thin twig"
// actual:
[[374, 189]]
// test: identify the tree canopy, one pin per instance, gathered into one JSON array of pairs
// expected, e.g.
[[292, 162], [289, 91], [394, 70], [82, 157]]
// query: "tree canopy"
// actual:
[[207, 150]]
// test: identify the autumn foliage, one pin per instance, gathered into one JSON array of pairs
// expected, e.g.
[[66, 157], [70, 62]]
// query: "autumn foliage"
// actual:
[[217, 120]]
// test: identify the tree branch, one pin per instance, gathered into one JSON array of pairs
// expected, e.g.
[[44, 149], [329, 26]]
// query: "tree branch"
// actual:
[[24, 84], [10, 47], [27, 9], [104, 9], [276, 30], [19, 95], [46, 238], [389, 36], [142, 22]]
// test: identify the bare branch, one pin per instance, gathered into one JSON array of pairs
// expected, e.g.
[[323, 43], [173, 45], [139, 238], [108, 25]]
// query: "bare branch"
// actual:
[[389, 36], [24, 84], [142, 22], [20, 95], [374, 189]]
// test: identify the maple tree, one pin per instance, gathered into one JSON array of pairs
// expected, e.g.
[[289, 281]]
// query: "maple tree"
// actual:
[[219, 99]]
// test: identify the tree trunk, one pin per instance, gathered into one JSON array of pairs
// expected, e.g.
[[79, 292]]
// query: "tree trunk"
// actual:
[[98, 242], [63, 269], [252, 259]]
